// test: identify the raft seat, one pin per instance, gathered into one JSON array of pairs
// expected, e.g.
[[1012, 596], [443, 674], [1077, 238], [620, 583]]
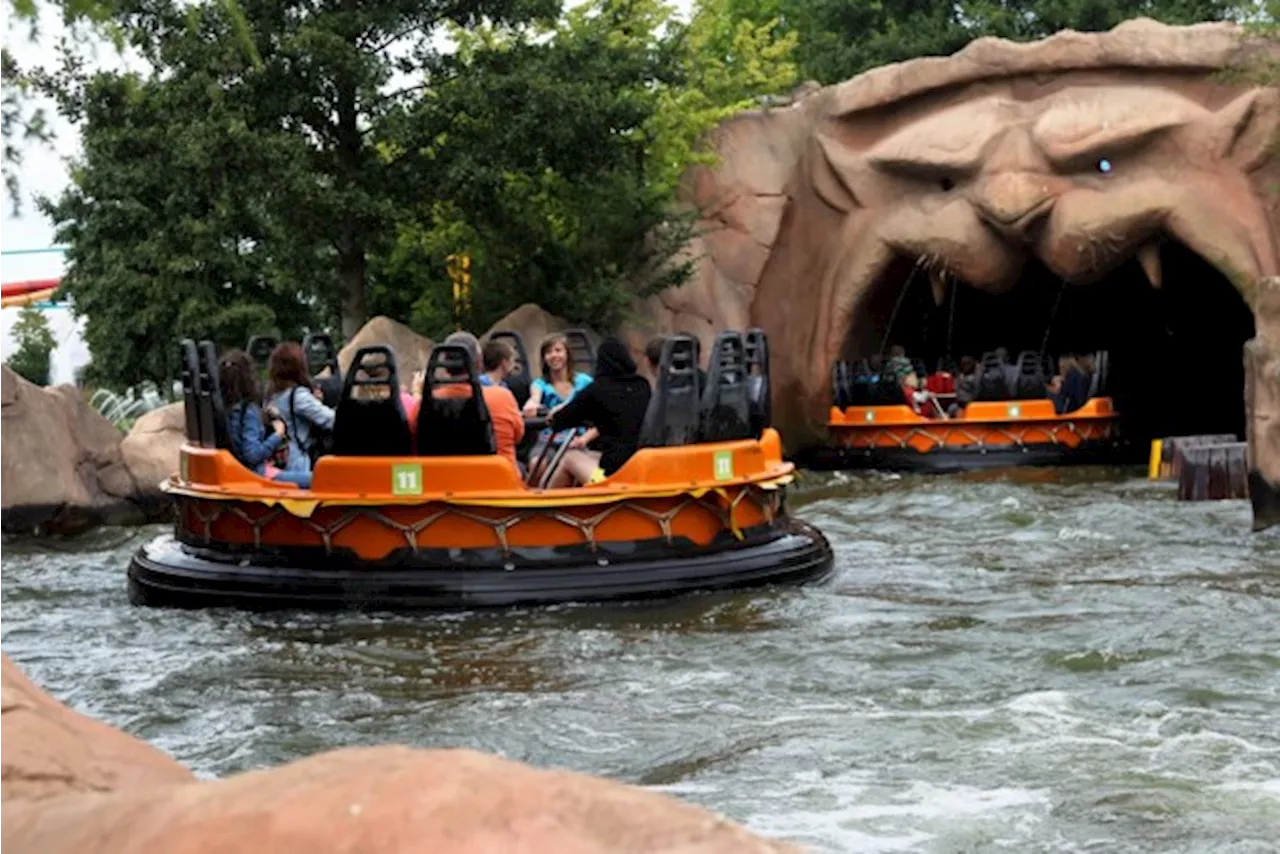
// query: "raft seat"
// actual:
[[453, 420], [189, 374], [322, 354], [673, 415], [724, 408], [992, 384], [582, 355], [213, 419], [370, 420], [259, 348], [759, 399], [1031, 379]]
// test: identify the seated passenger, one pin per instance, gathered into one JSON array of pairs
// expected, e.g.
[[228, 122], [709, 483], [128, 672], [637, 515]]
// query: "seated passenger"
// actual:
[[899, 365], [292, 394], [557, 385], [966, 384], [876, 364], [653, 355], [250, 442], [1008, 371], [504, 412], [615, 405], [922, 402], [1069, 389]]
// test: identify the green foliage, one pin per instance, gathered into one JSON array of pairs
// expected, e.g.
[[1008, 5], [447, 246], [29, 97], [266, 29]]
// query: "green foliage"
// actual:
[[232, 190], [559, 151], [32, 356], [838, 39]]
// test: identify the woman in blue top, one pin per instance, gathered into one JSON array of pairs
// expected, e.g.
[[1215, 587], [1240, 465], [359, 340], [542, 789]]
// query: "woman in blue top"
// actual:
[[290, 391], [251, 443], [557, 385]]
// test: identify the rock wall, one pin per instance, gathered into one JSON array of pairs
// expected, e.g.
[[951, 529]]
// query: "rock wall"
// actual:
[[1079, 152], [63, 464], [72, 784]]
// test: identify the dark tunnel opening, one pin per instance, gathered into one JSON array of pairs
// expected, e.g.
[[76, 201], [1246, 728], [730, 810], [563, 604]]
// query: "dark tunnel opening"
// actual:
[[1176, 360]]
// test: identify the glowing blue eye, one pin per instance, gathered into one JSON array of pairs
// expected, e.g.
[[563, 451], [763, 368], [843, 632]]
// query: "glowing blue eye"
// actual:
[[1104, 166]]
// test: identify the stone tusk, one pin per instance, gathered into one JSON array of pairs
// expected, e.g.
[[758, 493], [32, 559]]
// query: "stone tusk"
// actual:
[[938, 282], [1149, 258]]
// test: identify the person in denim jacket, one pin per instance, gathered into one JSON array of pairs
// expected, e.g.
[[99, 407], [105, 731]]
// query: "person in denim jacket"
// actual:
[[251, 443], [291, 394]]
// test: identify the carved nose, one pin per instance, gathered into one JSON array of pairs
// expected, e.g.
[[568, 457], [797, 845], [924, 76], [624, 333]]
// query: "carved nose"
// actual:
[[1013, 203]]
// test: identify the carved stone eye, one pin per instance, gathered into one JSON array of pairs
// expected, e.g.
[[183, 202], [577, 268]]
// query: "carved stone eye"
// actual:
[[1104, 166]]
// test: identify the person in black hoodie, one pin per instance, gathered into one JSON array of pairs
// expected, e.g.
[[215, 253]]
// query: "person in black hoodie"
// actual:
[[614, 404]]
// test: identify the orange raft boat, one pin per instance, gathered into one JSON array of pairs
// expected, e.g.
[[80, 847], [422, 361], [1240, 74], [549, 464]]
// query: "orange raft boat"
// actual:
[[985, 434], [463, 530]]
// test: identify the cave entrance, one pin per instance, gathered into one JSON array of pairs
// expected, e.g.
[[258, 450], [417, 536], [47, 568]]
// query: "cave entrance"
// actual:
[[1176, 360]]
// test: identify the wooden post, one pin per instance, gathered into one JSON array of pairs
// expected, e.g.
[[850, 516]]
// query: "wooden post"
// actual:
[[1213, 472], [1171, 451]]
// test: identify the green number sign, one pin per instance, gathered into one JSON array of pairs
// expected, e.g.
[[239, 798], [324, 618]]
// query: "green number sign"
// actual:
[[724, 465], [406, 479]]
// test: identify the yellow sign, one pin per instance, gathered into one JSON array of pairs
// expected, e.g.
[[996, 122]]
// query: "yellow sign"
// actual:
[[459, 268]]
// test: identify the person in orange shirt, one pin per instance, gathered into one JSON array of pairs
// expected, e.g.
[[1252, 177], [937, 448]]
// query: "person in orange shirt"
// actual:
[[504, 412]]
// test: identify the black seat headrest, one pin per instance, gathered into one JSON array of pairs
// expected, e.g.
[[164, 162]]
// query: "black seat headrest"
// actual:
[[453, 419], [189, 375], [672, 417], [213, 418], [259, 349], [759, 394], [725, 414], [582, 355], [370, 420]]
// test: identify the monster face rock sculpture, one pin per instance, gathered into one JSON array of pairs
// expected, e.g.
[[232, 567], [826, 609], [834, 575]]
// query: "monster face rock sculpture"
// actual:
[[1089, 164]]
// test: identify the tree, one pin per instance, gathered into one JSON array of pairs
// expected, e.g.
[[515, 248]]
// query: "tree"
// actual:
[[839, 39], [88, 20], [220, 196], [32, 356], [556, 155], [229, 189]]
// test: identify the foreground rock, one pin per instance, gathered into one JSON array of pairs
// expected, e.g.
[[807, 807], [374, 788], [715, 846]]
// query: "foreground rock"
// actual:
[[1262, 406], [102, 790], [63, 469], [412, 350]]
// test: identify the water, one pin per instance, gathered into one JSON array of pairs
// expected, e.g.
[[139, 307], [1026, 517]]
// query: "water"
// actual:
[[1038, 661]]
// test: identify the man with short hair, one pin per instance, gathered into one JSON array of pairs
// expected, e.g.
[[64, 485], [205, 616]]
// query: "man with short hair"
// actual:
[[499, 361]]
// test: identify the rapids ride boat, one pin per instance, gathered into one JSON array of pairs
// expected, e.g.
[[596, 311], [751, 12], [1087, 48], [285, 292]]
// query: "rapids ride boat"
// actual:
[[449, 524], [1012, 422]]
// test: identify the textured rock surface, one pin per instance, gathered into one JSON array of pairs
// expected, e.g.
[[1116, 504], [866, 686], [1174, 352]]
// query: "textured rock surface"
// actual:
[[72, 784], [412, 350], [972, 164], [1262, 399], [151, 449], [50, 750], [62, 464], [534, 324]]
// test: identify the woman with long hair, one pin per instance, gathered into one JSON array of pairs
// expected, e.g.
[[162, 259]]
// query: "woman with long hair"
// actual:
[[294, 397], [251, 443], [558, 383]]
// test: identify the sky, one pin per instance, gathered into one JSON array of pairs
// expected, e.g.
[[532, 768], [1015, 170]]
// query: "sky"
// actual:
[[44, 167]]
